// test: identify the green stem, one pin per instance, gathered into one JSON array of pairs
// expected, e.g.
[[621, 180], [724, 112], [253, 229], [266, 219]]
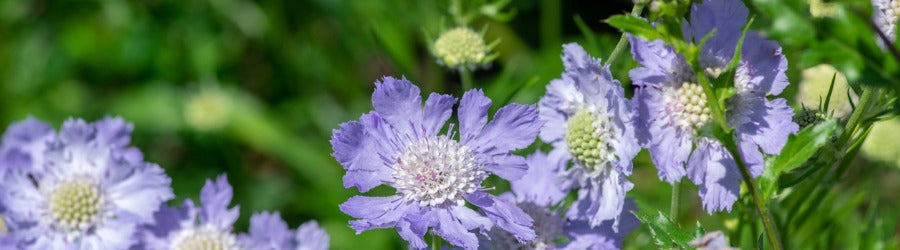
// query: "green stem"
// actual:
[[675, 202], [761, 208], [466, 77], [636, 11], [435, 241]]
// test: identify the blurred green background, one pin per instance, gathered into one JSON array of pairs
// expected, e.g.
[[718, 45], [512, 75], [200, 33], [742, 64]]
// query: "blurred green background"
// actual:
[[254, 88]]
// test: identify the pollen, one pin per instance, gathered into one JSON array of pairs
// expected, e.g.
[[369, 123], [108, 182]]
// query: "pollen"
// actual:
[[75, 205], [589, 136], [687, 106], [204, 238], [437, 171], [460, 47]]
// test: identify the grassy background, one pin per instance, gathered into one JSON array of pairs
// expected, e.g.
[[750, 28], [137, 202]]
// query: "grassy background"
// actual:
[[254, 88]]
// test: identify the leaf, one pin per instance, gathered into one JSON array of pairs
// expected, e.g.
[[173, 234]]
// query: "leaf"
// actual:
[[798, 150], [802, 146], [634, 25], [666, 234]]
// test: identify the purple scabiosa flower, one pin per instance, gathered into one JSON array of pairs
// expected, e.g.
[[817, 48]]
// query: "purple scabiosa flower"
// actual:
[[671, 107], [538, 194], [885, 14], [85, 188], [589, 120], [269, 232], [434, 174], [23, 145], [189, 227]]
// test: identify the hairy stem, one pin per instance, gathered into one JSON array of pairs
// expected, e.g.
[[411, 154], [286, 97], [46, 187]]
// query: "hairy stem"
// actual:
[[761, 207], [636, 11], [435, 241], [676, 201]]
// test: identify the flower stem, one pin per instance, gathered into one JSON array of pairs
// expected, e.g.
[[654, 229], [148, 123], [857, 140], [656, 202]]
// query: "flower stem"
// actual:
[[466, 77], [676, 201], [435, 241], [761, 207], [635, 11]]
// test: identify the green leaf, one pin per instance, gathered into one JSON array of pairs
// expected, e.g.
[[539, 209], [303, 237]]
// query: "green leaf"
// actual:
[[802, 146], [634, 25], [666, 234], [798, 150]]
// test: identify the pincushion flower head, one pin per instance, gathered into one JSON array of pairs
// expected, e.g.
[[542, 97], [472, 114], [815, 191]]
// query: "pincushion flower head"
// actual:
[[190, 227], [462, 47], [589, 120], [84, 188], [434, 174], [539, 195], [269, 232], [885, 14], [673, 115]]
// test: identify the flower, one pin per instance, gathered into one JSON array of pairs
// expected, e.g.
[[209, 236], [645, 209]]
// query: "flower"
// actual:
[[589, 120], [22, 146], [712, 241], [462, 47], [269, 232], [674, 120], [85, 188], [885, 18], [538, 194], [180, 228], [434, 174]]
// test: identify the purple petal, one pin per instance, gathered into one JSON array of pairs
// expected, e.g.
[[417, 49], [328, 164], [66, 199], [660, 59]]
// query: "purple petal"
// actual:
[[766, 123], [76, 131], [398, 101], [137, 191], [451, 230], [507, 166], [356, 152], [727, 17], [660, 64], [668, 148], [438, 109], [601, 202], [514, 126], [312, 237], [506, 215], [713, 170], [374, 212], [561, 93], [414, 225], [267, 231], [763, 66], [114, 131], [215, 197], [539, 184], [472, 114]]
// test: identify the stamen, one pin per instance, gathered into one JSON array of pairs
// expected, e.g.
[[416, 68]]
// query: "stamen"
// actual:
[[436, 171], [687, 106]]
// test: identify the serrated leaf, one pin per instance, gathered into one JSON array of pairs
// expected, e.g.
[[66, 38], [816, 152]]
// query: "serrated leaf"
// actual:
[[802, 146], [666, 234], [634, 25]]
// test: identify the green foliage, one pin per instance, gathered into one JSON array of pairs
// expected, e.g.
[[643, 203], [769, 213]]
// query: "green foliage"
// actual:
[[798, 150], [667, 234]]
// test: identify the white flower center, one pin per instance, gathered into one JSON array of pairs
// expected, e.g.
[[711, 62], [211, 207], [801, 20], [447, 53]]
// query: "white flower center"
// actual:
[[204, 238], [687, 106], [548, 226], [589, 136], [76, 205], [437, 170]]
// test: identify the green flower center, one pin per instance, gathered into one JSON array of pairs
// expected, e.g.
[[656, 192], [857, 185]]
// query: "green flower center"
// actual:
[[589, 140], [75, 205], [460, 46], [808, 117]]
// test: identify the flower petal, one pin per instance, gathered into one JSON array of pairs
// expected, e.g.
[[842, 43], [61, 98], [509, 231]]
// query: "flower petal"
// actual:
[[398, 101], [506, 215], [374, 212], [714, 171], [472, 114], [438, 109], [215, 197], [668, 148]]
